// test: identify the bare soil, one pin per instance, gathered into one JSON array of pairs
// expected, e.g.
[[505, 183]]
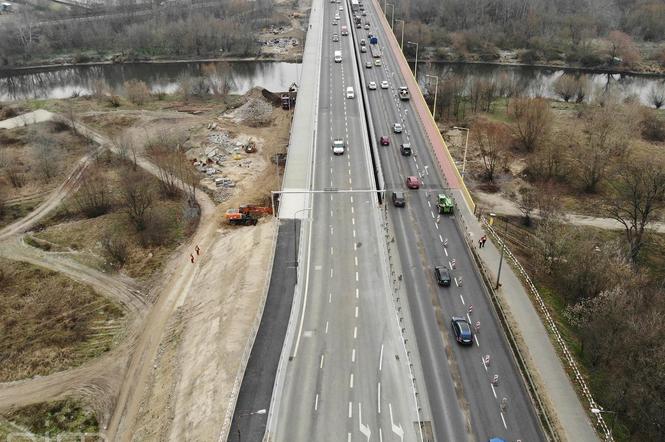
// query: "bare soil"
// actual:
[[50, 322]]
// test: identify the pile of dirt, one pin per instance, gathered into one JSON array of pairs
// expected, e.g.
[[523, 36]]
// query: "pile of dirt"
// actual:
[[256, 112]]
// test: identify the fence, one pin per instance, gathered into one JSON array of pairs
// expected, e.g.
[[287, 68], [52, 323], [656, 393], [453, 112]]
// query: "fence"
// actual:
[[551, 325]]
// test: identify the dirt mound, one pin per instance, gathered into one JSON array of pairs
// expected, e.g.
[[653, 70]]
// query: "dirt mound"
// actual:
[[255, 112]]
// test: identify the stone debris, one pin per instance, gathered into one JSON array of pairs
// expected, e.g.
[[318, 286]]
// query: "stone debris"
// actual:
[[255, 112]]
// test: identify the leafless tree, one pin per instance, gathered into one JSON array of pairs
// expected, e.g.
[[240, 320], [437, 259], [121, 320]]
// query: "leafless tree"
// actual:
[[137, 196], [657, 95], [533, 121], [164, 150], [493, 140], [605, 139], [137, 91], [126, 148], [115, 248], [527, 201], [565, 87], [623, 47], [93, 197], [637, 197], [46, 155]]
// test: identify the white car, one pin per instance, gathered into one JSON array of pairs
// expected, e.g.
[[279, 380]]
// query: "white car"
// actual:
[[363, 48], [334, 22], [384, 84], [337, 16], [377, 62], [350, 93], [341, 8], [371, 85], [397, 128]]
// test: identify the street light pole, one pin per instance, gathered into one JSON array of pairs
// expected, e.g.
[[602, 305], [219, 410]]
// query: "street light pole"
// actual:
[[436, 92], [503, 249], [415, 70], [401, 41], [466, 148], [261, 411], [392, 17], [614, 418]]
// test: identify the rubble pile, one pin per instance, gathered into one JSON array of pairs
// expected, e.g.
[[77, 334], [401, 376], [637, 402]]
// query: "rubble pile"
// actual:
[[255, 113]]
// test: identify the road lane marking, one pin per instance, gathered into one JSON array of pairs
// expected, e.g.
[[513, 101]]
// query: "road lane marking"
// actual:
[[331, 272], [351, 381], [455, 279], [350, 413], [331, 251], [351, 200], [316, 402], [476, 338], [353, 221], [381, 358], [446, 251], [330, 297], [351, 209], [440, 238], [462, 298], [326, 327], [356, 259], [354, 233], [397, 429], [357, 292], [364, 429], [356, 311], [356, 276], [353, 355], [504, 422], [378, 398]]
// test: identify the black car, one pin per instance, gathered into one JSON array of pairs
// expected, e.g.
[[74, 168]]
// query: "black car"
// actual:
[[461, 330], [398, 199], [442, 276], [405, 149]]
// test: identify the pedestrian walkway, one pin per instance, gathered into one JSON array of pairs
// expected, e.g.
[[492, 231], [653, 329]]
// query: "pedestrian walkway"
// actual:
[[37, 116], [570, 414]]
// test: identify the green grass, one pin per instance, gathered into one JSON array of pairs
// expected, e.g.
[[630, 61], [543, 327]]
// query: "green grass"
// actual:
[[50, 419]]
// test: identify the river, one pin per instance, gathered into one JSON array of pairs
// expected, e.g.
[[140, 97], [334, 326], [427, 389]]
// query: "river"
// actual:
[[63, 82]]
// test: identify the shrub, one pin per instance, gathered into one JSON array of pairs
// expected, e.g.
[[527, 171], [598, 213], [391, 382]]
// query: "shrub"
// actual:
[[137, 91], [530, 56], [115, 249], [652, 127]]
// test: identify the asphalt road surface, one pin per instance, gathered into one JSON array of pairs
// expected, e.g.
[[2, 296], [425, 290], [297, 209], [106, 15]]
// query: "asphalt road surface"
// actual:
[[347, 377], [501, 410]]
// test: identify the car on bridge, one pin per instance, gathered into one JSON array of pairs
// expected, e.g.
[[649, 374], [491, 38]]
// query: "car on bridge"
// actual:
[[398, 128], [442, 275], [371, 85], [461, 330], [413, 182], [385, 141], [384, 84], [363, 48], [368, 65], [335, 37], [338, 146], [405, 149], [399, 200]]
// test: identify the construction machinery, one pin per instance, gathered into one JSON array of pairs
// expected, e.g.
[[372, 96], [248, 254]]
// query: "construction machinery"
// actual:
[[289, 99], [235, 217], [445, 204]]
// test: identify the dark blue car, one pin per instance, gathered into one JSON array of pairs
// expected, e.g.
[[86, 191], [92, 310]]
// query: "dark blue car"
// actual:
[[461, 330]]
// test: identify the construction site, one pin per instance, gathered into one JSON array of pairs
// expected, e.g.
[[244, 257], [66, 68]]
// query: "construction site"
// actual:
[[161, 299]]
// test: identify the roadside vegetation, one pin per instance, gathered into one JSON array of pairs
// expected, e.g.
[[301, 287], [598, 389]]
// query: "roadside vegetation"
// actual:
[[619, 35], [606, 158], [41, 333], [61, 420]]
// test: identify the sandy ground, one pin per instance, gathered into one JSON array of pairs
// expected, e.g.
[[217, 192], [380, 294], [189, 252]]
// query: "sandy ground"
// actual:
[[174, 377]]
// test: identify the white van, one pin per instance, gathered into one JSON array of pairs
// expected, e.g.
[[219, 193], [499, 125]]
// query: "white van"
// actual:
[[338, 56], [350, 93]]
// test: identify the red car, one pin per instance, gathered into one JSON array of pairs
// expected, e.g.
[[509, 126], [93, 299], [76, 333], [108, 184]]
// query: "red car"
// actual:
[[413, 182], [385, 141]]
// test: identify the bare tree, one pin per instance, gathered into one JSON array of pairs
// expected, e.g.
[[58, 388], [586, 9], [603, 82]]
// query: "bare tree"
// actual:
[[164, 150], [137, 91], [46, 154], [493, 141], [605, 138], [533, 121], [93, 197], [126, 148], [623, 47], [115, 248], [565, 87], [657, 95], [527, 201], [638, 195], [137, 196]]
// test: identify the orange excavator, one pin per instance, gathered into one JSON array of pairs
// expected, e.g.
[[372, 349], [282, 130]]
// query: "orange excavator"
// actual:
[[246, 215]]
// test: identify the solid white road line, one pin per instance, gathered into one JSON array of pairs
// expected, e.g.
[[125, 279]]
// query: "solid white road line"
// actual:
[[462, 298], [504, 422], [378, 398], [364, 429], [321, 363], [381, 358]]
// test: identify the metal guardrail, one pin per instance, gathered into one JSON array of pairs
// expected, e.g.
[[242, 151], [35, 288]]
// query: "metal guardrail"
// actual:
[[517, 354], [554, 330]]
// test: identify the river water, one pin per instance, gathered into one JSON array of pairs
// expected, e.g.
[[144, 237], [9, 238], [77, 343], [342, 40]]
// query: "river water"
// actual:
[[63, 82]]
